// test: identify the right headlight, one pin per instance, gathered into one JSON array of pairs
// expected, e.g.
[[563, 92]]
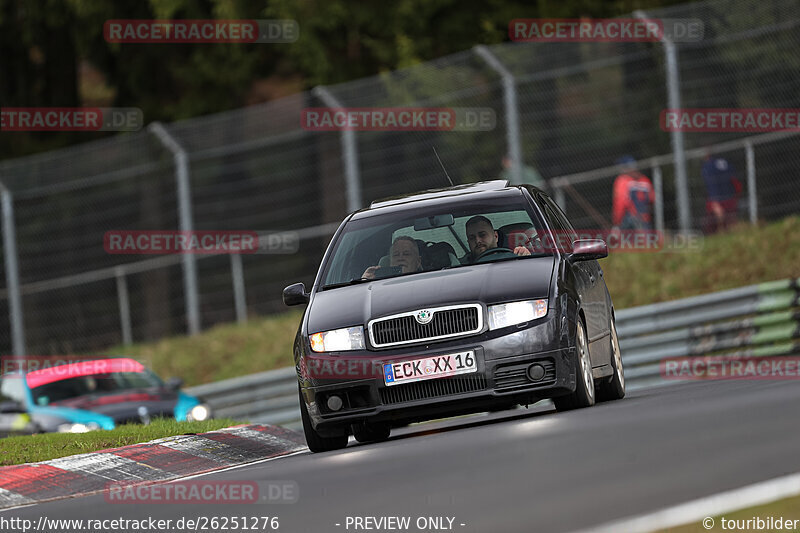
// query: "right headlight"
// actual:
[[503, 315], [338, 340]]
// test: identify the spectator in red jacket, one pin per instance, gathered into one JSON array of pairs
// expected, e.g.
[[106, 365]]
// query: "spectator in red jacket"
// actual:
[[633, 198], [722, 193]]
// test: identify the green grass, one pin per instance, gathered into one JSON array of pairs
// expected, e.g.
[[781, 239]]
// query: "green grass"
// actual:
[[43, 447], [744, 256], [788, 509]]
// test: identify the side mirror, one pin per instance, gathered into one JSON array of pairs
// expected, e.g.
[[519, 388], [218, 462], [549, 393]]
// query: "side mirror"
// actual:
[[588, 249], [12, 407], [295, 294], [174, 383]]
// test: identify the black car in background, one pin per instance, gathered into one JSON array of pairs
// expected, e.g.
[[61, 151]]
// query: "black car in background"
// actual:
[[466, 331]]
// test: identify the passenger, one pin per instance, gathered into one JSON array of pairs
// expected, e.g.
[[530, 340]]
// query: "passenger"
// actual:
[[481, 237], [403, 253]]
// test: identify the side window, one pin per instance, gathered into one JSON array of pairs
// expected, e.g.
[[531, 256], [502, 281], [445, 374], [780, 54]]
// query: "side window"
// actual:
[[561, 233], [560, 217], [552, 220]]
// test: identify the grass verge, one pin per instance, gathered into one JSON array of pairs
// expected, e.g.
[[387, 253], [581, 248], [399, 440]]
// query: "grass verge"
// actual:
[[744, 256], [43, 447]]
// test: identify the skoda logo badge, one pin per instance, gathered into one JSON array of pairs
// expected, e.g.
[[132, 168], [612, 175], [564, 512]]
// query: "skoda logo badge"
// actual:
[[424, 316]]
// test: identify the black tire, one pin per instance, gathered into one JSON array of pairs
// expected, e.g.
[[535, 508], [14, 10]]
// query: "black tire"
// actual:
[[371, 432], [584, 394], [614, 389], [316, 442]]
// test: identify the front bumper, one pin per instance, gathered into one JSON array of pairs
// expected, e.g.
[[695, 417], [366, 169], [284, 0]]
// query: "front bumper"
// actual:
[[501, 379]]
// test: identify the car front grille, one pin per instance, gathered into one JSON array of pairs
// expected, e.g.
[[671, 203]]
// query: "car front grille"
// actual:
[[433, 388], [446, 322], [512, 377]]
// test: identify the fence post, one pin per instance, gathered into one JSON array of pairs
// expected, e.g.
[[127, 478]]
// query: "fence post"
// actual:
[[186, 223], [512, 111], [12, 273], [750, 157], [124, 306], [237, 275], [676, 136], [658, 185], [349, 152]]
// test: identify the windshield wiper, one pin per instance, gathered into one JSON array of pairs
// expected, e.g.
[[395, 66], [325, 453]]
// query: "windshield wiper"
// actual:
[[346, 283]]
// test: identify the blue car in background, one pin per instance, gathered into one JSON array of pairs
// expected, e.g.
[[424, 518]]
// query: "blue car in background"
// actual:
[[91, 394]]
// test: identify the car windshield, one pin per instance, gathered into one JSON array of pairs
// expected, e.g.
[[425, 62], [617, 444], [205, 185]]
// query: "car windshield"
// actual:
[[423, 239], [94, 384]]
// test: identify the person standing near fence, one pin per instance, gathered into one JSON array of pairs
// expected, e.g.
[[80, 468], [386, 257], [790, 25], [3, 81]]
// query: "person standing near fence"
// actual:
[[633, 198], [722, 193]]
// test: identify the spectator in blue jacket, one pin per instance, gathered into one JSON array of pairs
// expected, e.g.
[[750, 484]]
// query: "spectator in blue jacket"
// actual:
[[722, 193]]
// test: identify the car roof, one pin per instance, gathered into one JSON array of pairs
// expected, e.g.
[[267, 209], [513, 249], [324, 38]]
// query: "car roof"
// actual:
[[471, 191]]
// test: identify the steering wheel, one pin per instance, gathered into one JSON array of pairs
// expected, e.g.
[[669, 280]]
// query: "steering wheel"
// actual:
[[493, 251]]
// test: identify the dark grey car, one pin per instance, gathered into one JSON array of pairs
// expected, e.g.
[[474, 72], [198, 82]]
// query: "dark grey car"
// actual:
[[465, 333]]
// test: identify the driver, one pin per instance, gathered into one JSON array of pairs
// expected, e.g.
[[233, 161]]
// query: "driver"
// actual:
[[403, 253], [481, 237]]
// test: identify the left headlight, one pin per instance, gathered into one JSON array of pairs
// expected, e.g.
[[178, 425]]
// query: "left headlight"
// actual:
[[199, 413], [78, 428], [503, 315], [338, 340]]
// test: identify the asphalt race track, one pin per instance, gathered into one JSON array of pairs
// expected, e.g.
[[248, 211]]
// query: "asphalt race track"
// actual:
[[525, 470]]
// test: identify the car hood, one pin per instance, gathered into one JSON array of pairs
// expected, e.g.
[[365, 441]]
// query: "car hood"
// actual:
[[487, 283]]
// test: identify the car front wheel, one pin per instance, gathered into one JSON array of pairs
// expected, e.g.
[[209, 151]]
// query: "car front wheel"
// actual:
[[614, 389], [316, 442], [583, 396]]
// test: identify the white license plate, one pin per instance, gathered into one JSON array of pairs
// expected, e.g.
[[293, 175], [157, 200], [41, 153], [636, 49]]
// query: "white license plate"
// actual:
[[438, 366]]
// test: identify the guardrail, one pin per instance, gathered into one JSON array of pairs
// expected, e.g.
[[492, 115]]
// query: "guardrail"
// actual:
[[753, 321], [758, 320]]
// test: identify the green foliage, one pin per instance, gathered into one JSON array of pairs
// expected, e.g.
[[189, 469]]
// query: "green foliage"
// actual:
[[45, 45]]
